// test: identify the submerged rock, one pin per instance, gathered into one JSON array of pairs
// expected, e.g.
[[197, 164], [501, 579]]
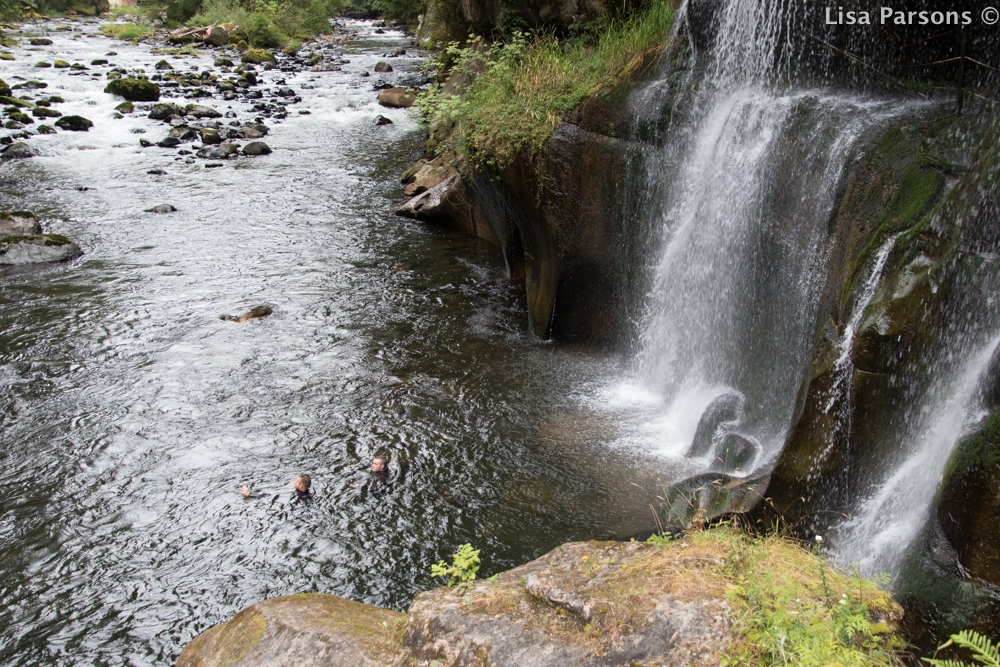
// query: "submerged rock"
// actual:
[[37, 249], [256, 313], [382, 120], [382, 66], [16, 151], [161, 208]]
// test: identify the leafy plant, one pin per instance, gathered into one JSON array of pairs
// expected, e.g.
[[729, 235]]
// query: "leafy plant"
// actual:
[[659, 541], [984, 652], [462, 571]]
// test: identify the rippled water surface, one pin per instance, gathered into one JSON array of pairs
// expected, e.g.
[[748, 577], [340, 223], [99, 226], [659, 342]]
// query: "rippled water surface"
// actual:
[[131, 413]]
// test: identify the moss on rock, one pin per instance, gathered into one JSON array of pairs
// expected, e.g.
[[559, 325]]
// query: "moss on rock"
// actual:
[[257, 56], [134, 90]]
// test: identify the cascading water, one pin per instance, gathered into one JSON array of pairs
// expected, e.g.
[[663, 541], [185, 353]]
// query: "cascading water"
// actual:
[[727, 330]]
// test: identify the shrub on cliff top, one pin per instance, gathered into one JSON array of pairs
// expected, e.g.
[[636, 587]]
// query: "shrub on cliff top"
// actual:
[[528, 83]]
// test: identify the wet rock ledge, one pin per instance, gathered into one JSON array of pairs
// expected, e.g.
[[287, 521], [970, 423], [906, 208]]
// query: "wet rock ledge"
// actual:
[[595, 604]]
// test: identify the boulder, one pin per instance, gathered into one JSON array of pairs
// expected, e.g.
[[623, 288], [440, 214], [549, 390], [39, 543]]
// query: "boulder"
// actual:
[[183, 133], [161, 208], [216, 35], [15, 102], [46, 129], [209, 136], [169, 142], [199, 111], [252, 131], [382, 120], [257, 56], [229, 148], [305, 630], [18, 117], [163, 64], [256, 148], [40, 41], [136, 90], [43, 64], [60, 64], [37, 249], [19, 223], [42, 112], [16, 151], [397, 98], [212, 153], [4, 89], [223, 62], [382, 66], [164, 111], [125, 107]]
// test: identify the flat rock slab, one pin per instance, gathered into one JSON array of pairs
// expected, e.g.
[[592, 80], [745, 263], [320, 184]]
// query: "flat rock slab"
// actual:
[[306, 630], [590, 604]]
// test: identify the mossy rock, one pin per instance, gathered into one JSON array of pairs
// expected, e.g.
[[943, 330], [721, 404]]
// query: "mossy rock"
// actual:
[[15, 102], [40, 41], [60, 64], [163, 64], [967, 501], [135, 90], [78, 67], [125, 107], [6, 56], [30, 85], [223, 62], [43, 63], [317, 629], [22, 118], [46, 239], [74, 123], [46, 129], [4, 89], [42, 112], [55, 99], [258, 56]]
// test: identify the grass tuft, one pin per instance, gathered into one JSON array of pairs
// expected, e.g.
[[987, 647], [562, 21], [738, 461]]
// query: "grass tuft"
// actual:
[[523, 87]]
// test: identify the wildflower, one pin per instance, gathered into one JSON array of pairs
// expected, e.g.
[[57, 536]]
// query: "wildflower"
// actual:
[[819, 538]]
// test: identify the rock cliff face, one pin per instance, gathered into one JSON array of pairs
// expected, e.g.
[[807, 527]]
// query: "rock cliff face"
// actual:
[[557, 221]]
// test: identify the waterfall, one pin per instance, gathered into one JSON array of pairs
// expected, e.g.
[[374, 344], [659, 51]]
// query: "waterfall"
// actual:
[[879, 534], [741, 197]]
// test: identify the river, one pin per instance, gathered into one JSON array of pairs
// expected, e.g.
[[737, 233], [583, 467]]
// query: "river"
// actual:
[[131, 414]]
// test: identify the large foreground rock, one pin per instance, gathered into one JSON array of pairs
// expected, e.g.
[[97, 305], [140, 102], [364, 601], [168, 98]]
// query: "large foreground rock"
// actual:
[[307, 630], [587, 603], [37, 249], [584, 604]]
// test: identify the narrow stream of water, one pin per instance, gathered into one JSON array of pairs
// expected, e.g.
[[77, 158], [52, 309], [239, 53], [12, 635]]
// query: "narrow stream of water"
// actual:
[[131, 413]]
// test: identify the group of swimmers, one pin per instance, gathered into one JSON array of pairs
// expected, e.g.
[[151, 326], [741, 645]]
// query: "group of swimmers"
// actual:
[[303, 482]]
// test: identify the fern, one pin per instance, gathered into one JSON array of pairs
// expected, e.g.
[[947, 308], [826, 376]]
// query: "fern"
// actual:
[[984, 652]]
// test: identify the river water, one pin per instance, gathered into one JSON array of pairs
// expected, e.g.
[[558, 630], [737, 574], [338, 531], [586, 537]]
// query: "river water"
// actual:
[[131, 413]]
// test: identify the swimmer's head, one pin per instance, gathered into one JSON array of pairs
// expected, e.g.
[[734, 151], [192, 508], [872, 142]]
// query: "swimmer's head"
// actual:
[[379, 463], [302, 483]]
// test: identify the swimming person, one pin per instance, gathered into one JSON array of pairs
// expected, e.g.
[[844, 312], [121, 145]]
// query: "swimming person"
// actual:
[[302, 485]]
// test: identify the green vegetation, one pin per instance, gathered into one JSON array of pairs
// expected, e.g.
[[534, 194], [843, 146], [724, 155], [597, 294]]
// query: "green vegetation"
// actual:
[[465, 564], [523, 87], [127, 31], [794, 609], [984, 652], [265, 23]]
